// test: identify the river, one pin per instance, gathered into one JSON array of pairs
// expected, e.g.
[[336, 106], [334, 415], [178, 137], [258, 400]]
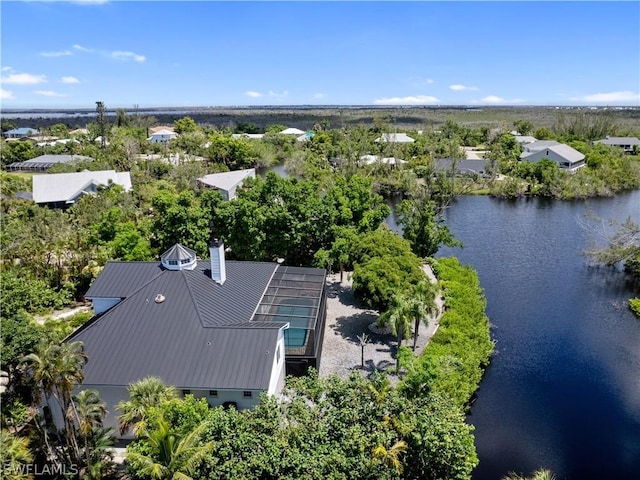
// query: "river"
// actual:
[[563, 388]]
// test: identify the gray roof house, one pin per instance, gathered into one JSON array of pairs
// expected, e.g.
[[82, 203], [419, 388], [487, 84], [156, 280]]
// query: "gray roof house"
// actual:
[[45, 162], [477, 166], [625, 143], [569, 159], [227, 182], [60, 190], [20, 132], [395, 138], [221, 330]]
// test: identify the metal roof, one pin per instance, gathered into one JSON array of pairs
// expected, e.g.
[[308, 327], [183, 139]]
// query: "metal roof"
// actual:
[[395, 138], [65, 187], [178, 252], [227, 180], [619, 141], [199, 336]]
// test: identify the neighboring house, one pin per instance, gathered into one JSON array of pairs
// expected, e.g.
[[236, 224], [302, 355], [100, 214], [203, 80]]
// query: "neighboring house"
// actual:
[[305, 136], [162, 136], [375, 159], [79, 131], [220, 330], [292, 131], [625, 143], [395, 138], [568, 158], [153, 130], [61, 190], [227, 182], [477, 166], [525, 139], [21, 132], [45, 162], [252, 136]]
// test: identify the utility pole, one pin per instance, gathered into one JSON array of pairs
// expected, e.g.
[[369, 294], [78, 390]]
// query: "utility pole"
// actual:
[[101, 123]]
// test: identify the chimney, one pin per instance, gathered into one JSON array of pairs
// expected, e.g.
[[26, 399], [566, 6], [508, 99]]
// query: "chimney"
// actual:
[[216, 252]]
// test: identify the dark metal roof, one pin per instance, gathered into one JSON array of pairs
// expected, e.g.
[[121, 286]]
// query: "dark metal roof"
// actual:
[[199, 336], [178, 252], [121, 279]]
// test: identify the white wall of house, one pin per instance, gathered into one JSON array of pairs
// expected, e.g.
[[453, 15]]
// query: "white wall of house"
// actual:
[[101, 305], [276, 383], [162, 138], [243, 399], [549, 154]]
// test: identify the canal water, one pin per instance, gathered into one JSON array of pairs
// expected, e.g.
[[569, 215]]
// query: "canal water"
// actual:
[[563, 389]]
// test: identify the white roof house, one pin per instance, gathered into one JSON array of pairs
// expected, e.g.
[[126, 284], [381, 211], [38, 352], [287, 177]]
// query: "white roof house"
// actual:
[[566, 157], [252, 136], [162, 136], [372, 159], [625, 143], [292, 131], [524, 139], [227, 182], [395, 138], [64, 189]]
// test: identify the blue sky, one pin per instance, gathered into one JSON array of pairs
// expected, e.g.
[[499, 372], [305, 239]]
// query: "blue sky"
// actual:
[[57, 54]]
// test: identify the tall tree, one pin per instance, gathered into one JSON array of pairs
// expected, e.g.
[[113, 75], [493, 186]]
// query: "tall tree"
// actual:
[[143, 395]]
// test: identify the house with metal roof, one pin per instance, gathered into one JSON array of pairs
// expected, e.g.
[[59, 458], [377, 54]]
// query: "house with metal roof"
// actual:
[[625, 143], [45, 162], [227, 182], [395, 138], [292, 131], [463, 166], [568, 159], [61, 190], [217, 329], [162, 136], [20, 132]]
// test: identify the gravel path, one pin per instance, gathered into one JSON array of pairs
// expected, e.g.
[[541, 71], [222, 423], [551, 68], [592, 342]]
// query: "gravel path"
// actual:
[[346, 319]]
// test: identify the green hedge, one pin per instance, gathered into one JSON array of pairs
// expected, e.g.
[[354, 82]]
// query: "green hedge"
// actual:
[[455, 359]]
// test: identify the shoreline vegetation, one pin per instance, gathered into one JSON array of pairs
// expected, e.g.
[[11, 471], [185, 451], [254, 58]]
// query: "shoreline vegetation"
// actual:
[[329, 213]]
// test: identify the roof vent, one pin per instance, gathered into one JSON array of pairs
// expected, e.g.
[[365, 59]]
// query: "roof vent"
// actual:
[[159, 298]]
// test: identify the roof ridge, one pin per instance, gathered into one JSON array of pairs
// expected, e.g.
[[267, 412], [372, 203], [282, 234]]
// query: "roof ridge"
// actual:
[[193, 297]]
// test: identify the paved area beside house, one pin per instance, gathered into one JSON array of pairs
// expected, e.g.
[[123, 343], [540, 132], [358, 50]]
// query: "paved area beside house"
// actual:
[[346, 320]]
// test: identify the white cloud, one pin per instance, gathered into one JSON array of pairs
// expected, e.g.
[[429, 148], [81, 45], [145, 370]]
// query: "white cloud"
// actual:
[[6, 94], [125, 56], [81, 48], [49, 93], [270, 93], [69, 80], [319, 95], [62, 53], [496, 100], [611, 97], [6, 69], [24, 79], [461, 88], [411, 100]]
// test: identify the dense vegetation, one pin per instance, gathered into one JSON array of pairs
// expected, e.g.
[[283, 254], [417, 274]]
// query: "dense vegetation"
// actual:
[[328, 213]]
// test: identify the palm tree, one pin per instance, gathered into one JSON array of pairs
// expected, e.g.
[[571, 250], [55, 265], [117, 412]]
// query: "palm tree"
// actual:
[[89, 411], [143, 394], [399, 318], [172, 456], [422, 304], [14, 455], [57, 368], [390, 457], [540, 474]]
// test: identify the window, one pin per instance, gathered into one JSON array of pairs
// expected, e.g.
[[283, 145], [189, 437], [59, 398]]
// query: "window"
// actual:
[[186, 392], [185, 261], [173, 262], [247, 394], [213, 393]]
